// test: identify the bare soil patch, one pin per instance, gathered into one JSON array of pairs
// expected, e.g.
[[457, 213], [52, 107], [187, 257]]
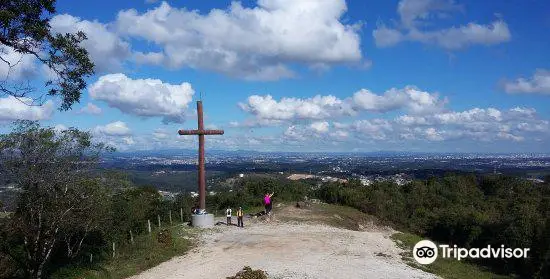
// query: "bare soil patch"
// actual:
[[295, 243]]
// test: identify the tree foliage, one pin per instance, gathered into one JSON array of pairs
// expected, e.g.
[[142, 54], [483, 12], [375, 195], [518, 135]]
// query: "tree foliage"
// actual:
[[250, 192], [25, 29], [69, 208], [465, 210], [132, 208], [60, 200]]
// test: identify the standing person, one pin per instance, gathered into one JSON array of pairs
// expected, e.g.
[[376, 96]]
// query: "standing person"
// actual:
[[267, 203], [240, 217], [228, 214]]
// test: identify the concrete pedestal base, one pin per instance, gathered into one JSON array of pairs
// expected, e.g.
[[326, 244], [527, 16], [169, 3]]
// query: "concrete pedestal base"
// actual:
[[202, 221]]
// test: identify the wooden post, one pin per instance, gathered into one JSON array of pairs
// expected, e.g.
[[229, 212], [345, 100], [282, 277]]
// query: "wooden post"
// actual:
[[113, 249], [181, 214], [131, 237], [158, 216], [91, 258], [149, 226], [170, 216]]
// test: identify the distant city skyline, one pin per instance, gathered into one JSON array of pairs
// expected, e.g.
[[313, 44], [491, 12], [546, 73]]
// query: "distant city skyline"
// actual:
[[379, 153], [313, 76]]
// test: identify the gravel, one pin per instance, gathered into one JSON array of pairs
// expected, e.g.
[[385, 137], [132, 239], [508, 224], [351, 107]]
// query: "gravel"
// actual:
[[290, 250]]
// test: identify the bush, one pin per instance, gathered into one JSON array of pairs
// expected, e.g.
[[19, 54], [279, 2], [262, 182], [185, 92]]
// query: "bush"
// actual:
[[248, 273]]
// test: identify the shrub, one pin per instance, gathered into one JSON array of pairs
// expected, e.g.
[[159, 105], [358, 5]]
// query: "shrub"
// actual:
[[248, 273]]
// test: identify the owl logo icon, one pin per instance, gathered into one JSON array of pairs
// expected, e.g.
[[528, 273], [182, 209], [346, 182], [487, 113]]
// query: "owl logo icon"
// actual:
[[425, 252]]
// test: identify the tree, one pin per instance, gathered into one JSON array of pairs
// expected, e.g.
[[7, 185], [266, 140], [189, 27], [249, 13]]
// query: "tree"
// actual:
[[92, 214], [25, 31], [53, 170]]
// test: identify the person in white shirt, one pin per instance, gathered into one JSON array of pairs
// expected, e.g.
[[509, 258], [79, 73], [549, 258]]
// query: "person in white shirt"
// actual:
[[228, 214]]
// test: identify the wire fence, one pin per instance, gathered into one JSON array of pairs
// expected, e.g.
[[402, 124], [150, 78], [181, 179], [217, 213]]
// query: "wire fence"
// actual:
[[151, 226]]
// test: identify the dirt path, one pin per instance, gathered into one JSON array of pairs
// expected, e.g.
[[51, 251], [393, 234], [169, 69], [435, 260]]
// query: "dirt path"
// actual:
[[290, 250]]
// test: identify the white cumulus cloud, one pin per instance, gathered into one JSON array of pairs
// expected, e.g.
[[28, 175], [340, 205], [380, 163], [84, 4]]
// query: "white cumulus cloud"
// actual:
[[378, 129], [268, 111], [15, 66], [476, 124], [315, 131], [539, 83], [117, 128], [251, 43], [318, 107], [320, 126], [12, 108], [432, 134], [409, 98], [107, 50], [160, 134], [144, 97]]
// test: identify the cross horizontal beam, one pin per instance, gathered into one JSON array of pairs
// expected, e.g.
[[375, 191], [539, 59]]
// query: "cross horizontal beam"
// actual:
[[200, 132]]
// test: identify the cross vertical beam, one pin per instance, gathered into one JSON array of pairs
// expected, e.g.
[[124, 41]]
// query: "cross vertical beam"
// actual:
[[201, 132], [201, 176]]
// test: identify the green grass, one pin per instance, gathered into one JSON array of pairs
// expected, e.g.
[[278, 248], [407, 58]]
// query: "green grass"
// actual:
[[130, 259], [446, 268]]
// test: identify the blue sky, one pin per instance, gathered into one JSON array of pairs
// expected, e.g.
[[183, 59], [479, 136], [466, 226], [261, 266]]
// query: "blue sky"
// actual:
[[409, 75]]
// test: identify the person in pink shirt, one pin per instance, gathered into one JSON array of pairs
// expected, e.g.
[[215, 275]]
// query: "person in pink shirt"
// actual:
[[267, 203]]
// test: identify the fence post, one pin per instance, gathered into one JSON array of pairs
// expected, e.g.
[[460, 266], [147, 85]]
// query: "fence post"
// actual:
[[113, 249], [149, 226], [158, 216], [91, 258], [181, 214], [131, 237], [170, 215]]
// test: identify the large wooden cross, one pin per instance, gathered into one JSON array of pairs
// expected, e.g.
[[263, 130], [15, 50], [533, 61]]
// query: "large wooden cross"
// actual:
[[201, 132]]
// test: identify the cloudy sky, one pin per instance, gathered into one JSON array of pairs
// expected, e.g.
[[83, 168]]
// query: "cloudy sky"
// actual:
[[308, 75]]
